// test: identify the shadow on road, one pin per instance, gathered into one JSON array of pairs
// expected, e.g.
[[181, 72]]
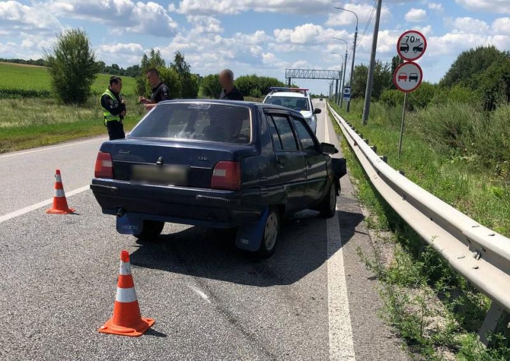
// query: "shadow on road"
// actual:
[[209, 253]]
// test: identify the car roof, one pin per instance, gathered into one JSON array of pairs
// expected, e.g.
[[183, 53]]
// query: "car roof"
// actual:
[[251, 105], [287, 94]]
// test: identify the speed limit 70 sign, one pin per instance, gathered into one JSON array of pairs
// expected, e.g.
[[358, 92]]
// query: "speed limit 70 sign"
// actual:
[[411, 45]]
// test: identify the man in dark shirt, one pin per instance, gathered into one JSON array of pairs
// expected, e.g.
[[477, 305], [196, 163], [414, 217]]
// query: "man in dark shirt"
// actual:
[[114, 109], [229, 92], [160, 91]]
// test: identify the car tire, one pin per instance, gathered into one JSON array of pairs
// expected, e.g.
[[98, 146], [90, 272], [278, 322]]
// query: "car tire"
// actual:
[[151, 230], [270, 236], [328, 206]]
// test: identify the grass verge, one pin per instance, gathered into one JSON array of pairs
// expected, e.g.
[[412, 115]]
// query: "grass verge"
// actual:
[[34, 122], [435, 311]]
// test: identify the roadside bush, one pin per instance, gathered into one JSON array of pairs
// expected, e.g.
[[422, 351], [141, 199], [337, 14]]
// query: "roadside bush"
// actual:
[[72, 67], [23, 93]]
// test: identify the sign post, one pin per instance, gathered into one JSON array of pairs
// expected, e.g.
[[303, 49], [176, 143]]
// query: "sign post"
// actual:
[[408, 76]]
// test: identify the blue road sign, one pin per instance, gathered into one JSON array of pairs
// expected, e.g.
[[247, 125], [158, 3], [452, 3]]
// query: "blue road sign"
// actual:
[[347, 93]]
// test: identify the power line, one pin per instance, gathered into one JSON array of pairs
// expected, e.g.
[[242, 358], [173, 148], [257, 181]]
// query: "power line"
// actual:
[[369, 22]]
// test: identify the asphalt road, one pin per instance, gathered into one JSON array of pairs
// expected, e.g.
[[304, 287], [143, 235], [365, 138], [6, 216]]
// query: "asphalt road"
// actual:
[[313, 300]]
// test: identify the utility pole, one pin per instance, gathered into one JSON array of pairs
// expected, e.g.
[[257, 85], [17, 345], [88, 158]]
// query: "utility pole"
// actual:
[[370, 78], [343, 80], [353, 51]]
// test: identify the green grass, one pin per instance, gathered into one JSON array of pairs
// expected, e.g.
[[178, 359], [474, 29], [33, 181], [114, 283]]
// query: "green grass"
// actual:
[[36, 78], [435, 311], [33, 122]]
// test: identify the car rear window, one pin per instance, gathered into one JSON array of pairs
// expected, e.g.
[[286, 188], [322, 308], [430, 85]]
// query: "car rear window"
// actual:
[[197, 121], [296, 103]]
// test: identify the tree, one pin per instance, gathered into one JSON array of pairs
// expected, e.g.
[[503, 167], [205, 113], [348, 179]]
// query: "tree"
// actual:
[[382, 80], [72, 67], [154, 61], [469, 65], [210, 86], [256, 86], [189, 85]]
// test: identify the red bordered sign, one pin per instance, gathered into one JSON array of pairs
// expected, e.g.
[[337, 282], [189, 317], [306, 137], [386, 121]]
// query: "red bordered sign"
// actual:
[[408, 77], [411, 45]]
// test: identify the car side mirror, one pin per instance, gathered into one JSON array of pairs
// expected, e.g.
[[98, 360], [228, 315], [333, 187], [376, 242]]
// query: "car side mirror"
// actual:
[[327, 148], [317, 111]]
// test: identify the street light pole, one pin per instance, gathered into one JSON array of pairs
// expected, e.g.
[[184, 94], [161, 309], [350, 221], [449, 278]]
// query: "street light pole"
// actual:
[[344, 66], [353, 52], [370, 78]]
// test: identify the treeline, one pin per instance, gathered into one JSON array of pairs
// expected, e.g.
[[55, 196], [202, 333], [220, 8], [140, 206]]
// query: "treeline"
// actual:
[[465, 116], [479, 76]]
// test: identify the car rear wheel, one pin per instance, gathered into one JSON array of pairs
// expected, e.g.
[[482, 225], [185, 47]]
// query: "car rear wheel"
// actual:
[[270, 236], [151, 230], [328, 207]]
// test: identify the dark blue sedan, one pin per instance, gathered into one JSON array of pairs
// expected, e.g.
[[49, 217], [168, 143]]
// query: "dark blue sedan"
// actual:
[[218, 164]]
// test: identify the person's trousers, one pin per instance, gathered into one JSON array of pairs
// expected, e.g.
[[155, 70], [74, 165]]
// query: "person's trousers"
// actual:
[[115, 130]]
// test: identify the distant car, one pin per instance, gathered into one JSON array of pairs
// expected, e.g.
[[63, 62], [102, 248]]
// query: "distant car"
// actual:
[[220, 164], [321, 99], [402, 76], [295, 99], [413, 76]]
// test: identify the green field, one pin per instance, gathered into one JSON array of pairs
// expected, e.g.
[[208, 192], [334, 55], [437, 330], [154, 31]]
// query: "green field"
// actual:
[[37, 78]]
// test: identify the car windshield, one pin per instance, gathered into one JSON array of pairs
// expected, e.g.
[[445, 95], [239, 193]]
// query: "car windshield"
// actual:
[[296, 103], [197, 121]]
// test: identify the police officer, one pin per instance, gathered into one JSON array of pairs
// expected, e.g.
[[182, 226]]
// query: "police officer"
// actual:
[[114, 109], [229, 90], [160, 91]]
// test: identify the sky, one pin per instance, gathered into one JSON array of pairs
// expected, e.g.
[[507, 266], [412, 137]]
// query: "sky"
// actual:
[[264, 37]]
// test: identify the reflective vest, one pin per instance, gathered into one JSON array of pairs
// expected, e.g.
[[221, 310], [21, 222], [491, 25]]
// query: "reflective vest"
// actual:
[[109, 117]]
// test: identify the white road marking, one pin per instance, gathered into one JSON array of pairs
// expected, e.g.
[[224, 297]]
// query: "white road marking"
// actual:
[[341, 342], [33, 207], [40, 149], [200, 293]]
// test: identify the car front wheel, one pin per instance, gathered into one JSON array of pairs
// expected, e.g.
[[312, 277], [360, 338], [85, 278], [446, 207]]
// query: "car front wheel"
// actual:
[[328, 207]]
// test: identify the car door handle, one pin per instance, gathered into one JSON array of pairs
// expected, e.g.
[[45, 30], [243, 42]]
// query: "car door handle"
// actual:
[[281, 163]]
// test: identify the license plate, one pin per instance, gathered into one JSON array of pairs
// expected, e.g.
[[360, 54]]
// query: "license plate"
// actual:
[[166, 175]]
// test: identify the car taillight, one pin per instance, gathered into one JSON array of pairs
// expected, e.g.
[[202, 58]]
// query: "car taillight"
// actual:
[[226, 175], [104, 166]]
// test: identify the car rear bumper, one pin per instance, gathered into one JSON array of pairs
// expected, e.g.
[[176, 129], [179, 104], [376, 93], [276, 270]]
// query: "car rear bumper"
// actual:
[[195, 206]]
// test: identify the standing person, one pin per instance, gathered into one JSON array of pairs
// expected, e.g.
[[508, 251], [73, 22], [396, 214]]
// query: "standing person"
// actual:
[[229, 90], [114, 109], [159, 90]]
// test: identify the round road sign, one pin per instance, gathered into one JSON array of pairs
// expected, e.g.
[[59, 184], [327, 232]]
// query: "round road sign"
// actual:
[[411, 45], [408, 77]]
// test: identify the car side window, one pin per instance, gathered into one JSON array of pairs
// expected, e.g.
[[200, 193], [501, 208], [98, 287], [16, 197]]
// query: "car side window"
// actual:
[[277, 143], [307, 142], [285, 132]]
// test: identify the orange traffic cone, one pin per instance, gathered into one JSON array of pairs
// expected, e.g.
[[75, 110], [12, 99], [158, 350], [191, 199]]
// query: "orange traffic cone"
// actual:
[[59, 199], [126, 319]]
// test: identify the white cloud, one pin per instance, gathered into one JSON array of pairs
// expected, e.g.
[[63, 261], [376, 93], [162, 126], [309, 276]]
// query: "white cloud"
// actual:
[[205, 24], [16, 17], [364, 12], [470, 26], [492, 6], [144, 18], [232, 7], [416, 15], [437, 7], [308, 34], [130, 48], [501, 25]]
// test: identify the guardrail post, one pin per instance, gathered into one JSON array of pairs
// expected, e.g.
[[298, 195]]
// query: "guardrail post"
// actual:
[[384, 158], [402, 172], [374, 148], [497, 318], [365, 140]]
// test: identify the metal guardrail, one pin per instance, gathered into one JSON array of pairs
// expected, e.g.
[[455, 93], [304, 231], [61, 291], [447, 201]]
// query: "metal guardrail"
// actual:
[[481, 255]]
